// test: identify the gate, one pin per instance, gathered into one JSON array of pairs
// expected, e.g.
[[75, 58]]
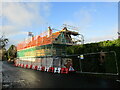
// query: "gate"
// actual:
[[99, 63]]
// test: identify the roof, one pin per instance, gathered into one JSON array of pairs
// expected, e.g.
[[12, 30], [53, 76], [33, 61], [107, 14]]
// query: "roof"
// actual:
[[69, 32], [39, 41], [48, 38]]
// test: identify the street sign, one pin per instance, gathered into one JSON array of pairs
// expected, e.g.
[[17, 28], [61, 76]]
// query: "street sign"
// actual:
[[81, 57]]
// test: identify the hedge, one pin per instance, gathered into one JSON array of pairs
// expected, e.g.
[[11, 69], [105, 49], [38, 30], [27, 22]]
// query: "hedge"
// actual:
[[104, 46]]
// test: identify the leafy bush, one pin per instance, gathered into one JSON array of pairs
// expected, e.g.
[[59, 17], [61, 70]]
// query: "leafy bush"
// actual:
[[105, 46]]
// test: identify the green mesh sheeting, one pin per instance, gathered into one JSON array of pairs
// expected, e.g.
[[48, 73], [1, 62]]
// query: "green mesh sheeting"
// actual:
[[41, 51]]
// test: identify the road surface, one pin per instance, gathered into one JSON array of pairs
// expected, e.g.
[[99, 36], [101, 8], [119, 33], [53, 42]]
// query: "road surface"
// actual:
[[17, 77]]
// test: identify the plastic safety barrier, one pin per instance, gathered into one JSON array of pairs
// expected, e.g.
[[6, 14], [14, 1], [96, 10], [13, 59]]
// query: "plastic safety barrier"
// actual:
[[64, 70], [46, 69], [30, 66], [51, 69], [57, 70], [17, 65], [42, 69], [35, 67], [39, 67], [23, 66], [26, 65]]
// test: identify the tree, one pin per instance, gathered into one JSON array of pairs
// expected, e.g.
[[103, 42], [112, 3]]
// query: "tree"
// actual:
[[12, 53], [3, 42]]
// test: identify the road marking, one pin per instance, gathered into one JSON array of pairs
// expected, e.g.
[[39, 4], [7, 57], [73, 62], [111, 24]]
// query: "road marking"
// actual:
[[22, 80], [6, 85], [118, 80], [19, 81]]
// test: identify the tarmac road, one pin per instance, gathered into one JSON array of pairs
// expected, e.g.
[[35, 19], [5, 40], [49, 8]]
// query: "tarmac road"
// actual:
[[17, 77]]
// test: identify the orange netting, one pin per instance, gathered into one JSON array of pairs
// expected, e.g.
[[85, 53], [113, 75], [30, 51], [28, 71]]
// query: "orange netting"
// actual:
[[39, 41]]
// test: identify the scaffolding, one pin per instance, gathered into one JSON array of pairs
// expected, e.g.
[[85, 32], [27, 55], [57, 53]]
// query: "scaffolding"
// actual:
[[48, 49]]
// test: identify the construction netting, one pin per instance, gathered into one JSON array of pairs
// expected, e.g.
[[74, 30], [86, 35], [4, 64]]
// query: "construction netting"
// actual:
[[37, 41]]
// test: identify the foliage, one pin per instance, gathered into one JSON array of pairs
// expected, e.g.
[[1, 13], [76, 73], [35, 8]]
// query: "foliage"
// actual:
[[3, 42], [3, 54], [12, 52], [94, 47], [105, 46]]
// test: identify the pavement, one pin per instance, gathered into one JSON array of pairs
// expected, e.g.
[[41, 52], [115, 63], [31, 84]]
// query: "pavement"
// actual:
[[17, 77], [0, 75]]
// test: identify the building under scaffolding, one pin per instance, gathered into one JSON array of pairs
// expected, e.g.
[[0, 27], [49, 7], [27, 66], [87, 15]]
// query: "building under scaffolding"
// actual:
[[47, 50]]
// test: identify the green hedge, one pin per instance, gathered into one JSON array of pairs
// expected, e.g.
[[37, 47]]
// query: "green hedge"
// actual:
[[104, 46]]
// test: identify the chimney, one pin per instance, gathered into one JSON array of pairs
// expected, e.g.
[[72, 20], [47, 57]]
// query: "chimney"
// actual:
[[49, 31]]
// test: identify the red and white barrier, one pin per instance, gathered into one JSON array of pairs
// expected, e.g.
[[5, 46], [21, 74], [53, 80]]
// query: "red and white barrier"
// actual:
[[26, 65], [30, 66], [46, 69], [51, 69], [57, 70], [35, 67], [42, 69], [64, 70], [39, 67]]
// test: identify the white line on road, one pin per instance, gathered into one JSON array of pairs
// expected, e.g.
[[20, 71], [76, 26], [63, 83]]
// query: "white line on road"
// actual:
[[118, 80]]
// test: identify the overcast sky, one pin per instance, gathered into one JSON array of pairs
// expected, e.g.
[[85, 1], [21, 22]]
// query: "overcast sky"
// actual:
[[97, 21]]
